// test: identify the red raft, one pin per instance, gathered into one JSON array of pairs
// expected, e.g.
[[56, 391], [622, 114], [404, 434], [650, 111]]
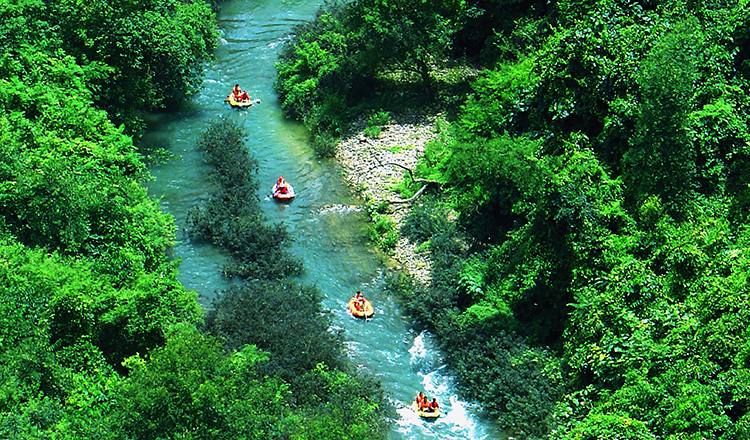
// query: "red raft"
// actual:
[[284, 192]]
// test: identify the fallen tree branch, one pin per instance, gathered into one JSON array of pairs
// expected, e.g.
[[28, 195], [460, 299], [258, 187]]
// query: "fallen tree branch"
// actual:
[[411, 174], [413, 179], [427, 183], [412, 198]]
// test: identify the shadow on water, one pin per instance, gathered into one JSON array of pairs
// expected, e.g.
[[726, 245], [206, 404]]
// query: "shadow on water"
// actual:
[[325, 218]]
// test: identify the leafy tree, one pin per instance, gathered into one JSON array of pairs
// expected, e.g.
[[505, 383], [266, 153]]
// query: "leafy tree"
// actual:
[[190, 389], [314, 69], [340, 406], [399, 36], [662, 150], [154, 50]]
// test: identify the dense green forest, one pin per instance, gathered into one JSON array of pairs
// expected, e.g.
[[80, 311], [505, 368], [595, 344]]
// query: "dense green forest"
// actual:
[[98, 338], [590, 237]]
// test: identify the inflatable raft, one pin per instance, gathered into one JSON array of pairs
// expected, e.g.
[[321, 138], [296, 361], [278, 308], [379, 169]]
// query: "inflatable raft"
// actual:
[[235, 103], [366, 313], [280, 195], [424, 414]]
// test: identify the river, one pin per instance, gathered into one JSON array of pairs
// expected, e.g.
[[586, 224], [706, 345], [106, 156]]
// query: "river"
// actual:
[[325, 218]]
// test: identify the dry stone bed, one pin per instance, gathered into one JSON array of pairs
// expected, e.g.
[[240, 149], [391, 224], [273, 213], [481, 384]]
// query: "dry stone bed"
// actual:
[[368, 165]]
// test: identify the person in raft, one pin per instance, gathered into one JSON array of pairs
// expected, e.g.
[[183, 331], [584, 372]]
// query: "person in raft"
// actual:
[[239, 94], [282, 187], [360, 304], [433, 406], [424, 405], [420, 398]]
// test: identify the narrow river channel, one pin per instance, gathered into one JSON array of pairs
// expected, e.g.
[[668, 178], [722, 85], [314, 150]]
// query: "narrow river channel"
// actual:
[[325, 218]]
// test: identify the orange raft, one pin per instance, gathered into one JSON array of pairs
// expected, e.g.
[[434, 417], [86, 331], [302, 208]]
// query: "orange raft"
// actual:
[[425, 414], [366, 313]]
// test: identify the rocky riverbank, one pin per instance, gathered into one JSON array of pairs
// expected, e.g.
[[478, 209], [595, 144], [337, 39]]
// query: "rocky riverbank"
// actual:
[[373, 167]]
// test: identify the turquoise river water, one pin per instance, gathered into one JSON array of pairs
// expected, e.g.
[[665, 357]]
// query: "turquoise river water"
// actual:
[[325, 218]]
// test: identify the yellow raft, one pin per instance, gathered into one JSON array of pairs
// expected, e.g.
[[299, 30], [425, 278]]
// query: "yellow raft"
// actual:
[[424, 414], [245, 103]]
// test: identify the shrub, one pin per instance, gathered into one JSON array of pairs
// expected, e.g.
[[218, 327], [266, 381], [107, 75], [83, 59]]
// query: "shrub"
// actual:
[[382, 231], [325, 144], [283, 318], [231, 216], [425, 221], [514, 382], [379, 118], [372, 132]]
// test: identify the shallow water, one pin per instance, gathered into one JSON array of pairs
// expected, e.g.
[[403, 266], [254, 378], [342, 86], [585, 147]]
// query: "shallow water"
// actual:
[[325, 218]]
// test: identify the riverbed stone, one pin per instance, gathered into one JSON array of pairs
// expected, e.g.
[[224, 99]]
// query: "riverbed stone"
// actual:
[[368, 166]]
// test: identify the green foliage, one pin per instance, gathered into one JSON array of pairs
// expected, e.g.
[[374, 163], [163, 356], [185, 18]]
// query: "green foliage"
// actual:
[[64, 332], [372, 131], [375, 123], [611, 427], [598, 174], [661, 148], [382, 231], [156, 57], [191, 389], [517, 384], [425, 221], [324, 144], [492, 180], [81, 305], [283, 318], [153, 59], [359, 56], [501, 101], [286, 319], [397, 35], [313, 69], [379, 118], [340, 406], [60, 141]]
